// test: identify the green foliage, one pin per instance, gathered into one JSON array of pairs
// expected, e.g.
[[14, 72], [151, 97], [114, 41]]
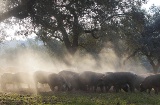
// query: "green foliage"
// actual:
[[67, 20], [90, 44], [143, 40]]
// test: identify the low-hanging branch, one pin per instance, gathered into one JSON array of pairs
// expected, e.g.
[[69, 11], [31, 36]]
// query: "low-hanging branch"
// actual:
[[133, 54]]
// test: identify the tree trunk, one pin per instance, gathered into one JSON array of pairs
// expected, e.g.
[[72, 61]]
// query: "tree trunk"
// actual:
[[155, 67]]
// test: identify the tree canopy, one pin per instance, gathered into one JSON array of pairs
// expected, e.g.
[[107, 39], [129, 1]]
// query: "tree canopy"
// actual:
[[148, 42], [67, 20], [90, 24]]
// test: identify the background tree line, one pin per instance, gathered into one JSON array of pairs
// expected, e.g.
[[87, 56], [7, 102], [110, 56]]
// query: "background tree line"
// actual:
[[68, 26]]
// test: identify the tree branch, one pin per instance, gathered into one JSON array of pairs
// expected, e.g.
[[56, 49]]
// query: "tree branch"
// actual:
[[133, 54], [110, 17], [92, 33]]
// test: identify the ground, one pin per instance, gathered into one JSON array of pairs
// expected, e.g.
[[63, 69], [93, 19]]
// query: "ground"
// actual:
[[79, 98]]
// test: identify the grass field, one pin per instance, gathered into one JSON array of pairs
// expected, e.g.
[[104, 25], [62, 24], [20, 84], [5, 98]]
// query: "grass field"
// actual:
[[79, 98]]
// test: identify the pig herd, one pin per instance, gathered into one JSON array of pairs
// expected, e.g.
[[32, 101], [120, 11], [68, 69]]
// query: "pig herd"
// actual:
[[68, 80]]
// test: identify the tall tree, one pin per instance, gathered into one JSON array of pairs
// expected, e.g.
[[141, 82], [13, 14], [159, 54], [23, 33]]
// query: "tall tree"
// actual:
[[67, 20], [148, 41]]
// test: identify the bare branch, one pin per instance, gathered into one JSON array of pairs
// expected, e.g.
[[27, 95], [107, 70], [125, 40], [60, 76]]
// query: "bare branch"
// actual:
[[133, 54], [115, 15]]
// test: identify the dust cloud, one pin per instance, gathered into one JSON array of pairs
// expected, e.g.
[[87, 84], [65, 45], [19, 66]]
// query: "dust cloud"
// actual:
[[29, 60], [107, 61]]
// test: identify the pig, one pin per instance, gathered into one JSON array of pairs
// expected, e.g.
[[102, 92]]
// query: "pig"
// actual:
[[22, 78], [89, 80], [119, 80], [41, 77], [16, 79], [6, 78], [56, 80], [152, 81], [71, 79], [139, 79]]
